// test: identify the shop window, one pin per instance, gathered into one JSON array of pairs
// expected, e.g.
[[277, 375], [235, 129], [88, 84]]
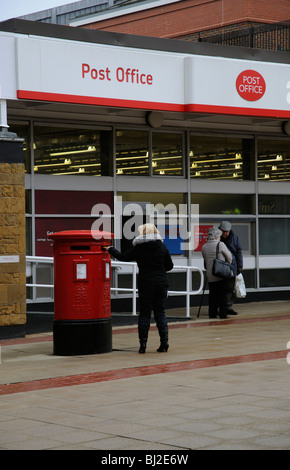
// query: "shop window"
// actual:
[[28, 238], [250, 278], [22, 131], [132, 153], [226, 204], [274, 160], [274, 278], [274, 204], [44, 226], [215, 157], [60, 151], [274, 236], [168, 211], [70, 202], [244, 230], [167, 154], [174, 203], [28, 202]]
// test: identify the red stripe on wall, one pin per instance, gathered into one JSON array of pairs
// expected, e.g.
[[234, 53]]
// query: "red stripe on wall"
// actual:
[[213, 109], [120, 103], [97, 101]]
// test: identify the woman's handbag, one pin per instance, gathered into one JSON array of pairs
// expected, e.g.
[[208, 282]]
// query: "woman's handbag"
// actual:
[[240, 287], [221, 268]]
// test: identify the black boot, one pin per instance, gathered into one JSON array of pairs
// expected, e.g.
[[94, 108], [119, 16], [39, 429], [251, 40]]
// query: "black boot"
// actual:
[[142, 348], [143, 336], [163, 347], [163, 333]]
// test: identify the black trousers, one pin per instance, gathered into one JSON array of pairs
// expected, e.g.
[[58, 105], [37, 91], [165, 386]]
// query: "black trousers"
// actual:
[[154, 299], [217, 298], [230, 287]]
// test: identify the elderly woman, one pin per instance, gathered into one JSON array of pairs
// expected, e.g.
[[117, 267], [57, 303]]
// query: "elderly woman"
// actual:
[[153, 260], [217, 287]]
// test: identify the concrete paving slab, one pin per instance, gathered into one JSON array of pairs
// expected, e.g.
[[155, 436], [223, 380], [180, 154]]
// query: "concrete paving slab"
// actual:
[[222, 385]]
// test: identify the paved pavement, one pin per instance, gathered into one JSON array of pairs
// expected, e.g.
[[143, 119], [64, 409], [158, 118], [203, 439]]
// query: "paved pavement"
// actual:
[[223, 384]]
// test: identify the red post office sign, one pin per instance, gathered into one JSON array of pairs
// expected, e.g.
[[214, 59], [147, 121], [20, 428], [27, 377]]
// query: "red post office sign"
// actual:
[[250, 85]]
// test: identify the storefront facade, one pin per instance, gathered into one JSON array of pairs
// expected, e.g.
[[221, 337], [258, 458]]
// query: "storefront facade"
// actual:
[[109, 117]]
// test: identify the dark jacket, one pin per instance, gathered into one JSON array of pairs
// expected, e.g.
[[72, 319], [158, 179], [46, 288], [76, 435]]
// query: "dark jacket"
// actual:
[[152, 257], [232, 242]]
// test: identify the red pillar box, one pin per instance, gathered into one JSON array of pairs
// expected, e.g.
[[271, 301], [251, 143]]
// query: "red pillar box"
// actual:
[[82, 301]]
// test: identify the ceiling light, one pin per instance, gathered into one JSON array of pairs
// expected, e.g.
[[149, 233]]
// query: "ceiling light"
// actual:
[[278, 158], [89, 149], [67, 161]]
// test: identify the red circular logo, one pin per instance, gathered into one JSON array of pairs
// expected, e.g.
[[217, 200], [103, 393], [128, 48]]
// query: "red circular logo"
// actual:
[[250, 85]]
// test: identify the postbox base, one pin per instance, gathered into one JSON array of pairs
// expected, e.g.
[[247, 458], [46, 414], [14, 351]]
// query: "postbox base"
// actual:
[[74, 337]]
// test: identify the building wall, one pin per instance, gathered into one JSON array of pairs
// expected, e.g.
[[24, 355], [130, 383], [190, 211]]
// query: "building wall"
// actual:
[[189, 16], [12, 245]]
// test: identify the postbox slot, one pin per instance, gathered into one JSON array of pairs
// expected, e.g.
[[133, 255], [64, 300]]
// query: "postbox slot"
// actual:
[[80, 248]]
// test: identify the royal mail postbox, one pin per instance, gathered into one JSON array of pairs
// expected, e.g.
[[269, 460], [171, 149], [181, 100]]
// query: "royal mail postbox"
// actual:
[[82, 300]]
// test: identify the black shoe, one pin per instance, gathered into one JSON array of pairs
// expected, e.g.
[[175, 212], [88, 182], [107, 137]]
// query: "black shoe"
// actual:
[[213, 316], [163, 348], [223, 317], [142, 348], [232, 312]]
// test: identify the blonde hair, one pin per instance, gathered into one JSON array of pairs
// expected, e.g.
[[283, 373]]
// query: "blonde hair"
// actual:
[[147, 229]]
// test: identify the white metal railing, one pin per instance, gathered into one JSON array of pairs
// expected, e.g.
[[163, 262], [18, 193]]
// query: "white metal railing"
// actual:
[[33, 261]]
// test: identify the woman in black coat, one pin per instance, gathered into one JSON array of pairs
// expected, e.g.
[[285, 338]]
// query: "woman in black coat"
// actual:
[[153, 260]]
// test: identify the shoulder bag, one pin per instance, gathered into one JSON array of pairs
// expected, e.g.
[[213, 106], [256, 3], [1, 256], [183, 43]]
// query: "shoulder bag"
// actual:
[[220, 268]]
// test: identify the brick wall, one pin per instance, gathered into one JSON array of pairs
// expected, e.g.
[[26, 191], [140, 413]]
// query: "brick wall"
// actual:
[[190, 16], [12, 245]]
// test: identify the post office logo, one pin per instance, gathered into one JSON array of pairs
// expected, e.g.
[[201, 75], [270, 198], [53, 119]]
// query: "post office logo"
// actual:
[[250, 85]]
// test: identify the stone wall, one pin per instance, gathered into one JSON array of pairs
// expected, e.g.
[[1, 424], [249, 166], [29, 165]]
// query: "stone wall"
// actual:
[[12, 245]]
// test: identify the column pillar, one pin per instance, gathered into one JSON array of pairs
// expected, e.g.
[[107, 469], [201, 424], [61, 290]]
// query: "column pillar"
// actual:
[[12, 232]]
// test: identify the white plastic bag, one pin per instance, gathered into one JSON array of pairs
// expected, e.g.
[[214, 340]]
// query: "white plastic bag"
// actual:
[[240, 288]]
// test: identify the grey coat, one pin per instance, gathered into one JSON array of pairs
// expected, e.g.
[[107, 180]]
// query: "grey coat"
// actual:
[[209, 254]]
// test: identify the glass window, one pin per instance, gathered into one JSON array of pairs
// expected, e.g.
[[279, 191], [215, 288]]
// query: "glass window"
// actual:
[[44, 226], [224, 203], [250, 278], [60, 151], [70, 202], [274, 277], [274, 204], [28, 237], [167, 154], [22, 131], [170, 201], [132, 154], [244, 230], [168, 212], [274, 236], [28, 201], [274, 160], [215, 157]]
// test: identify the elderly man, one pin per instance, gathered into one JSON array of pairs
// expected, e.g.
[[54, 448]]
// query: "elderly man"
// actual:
[[232, 242]]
